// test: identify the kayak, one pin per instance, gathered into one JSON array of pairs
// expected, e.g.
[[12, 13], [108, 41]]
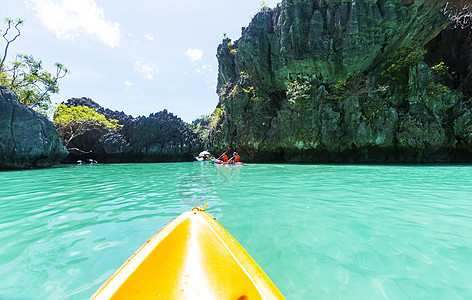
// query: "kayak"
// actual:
[[192, 257], [204, 156], [228, 163], [203, 160]]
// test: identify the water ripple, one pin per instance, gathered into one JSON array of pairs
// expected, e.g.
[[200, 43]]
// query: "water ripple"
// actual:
[[346, 232]]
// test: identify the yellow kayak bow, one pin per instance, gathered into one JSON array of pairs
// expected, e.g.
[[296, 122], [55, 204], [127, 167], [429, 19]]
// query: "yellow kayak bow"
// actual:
[[192, 257]]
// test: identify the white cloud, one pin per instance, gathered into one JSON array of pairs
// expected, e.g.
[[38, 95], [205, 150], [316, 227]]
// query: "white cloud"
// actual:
[[129, 83], [148, 37], [205, 69], [146, 68], [69, 19], [194, 54]]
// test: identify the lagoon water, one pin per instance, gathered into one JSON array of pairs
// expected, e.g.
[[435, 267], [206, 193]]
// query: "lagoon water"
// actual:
[[318, 231]]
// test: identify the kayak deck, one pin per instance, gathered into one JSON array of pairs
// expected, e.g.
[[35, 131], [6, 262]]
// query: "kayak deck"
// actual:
[[193, 257]]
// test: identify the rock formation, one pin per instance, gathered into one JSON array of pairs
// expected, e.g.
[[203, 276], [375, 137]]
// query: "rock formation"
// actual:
[[27, 138], [453, 46], [157, 138], [344, 81]]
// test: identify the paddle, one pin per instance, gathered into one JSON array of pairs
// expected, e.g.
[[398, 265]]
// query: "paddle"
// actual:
[[223, 153]]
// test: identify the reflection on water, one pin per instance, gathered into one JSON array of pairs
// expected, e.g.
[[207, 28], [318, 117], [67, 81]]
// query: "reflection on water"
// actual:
[[348, 232]]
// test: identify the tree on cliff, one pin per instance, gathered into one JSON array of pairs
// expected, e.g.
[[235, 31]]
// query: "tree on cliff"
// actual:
[[73, 121], [25, 76]]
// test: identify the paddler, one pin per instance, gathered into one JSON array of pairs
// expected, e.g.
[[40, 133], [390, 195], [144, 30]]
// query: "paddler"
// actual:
[[223, 156], [235, 157]]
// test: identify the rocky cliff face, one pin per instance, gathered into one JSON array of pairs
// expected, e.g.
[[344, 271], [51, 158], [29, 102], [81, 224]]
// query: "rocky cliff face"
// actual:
[[27, 139], [157, 138], [341, 81], [325, 40], [453, 46]]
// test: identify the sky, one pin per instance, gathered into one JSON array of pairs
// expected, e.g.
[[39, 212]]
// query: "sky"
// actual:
[[139, 56]]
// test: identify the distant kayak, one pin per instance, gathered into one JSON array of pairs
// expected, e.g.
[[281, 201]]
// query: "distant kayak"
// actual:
[[204, 156], [217, 161], [198, 159], [192, 257]]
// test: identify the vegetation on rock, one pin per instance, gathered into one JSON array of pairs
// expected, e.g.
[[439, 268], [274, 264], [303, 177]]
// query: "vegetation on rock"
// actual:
[[201, 126], [396, 68], [72, 121]]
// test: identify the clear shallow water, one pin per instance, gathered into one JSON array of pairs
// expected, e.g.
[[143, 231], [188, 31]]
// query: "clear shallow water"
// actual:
[[319, 231]]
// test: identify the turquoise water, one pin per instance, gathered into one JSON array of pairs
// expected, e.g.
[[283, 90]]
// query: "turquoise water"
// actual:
[[318, 231]]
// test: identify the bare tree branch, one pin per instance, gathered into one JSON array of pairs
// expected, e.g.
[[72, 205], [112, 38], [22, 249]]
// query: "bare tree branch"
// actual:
[[17, 22], [79, 150]]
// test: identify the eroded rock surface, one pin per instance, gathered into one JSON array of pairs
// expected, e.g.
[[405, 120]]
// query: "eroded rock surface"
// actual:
[[27, 138], [310, 81]]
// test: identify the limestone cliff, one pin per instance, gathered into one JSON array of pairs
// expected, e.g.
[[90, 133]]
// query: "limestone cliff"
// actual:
[[341, 81], [27, 138], [159, 137]]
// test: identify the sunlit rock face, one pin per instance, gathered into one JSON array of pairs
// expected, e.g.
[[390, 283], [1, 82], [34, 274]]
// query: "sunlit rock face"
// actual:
[[27, 138], [309, 81], [325, 40]]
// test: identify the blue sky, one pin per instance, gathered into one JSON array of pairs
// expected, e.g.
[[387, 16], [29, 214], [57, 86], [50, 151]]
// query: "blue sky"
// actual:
[[137, 56]]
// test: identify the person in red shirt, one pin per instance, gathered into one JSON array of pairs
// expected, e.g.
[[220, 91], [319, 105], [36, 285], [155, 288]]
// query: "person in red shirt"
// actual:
[[225, 158]]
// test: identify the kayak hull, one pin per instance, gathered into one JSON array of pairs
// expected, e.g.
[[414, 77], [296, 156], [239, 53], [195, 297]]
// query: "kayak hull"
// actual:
[[220, 162], [193, 257]]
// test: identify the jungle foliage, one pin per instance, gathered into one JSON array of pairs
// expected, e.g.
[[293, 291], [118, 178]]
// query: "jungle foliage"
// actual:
[[76, 120], [396, 69]]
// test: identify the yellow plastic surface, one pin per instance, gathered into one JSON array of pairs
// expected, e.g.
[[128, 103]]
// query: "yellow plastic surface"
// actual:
[[193, 257]]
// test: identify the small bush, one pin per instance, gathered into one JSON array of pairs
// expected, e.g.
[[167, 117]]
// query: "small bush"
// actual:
[[396, 69]]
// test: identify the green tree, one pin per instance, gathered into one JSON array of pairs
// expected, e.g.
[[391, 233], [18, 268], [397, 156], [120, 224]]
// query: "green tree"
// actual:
[[30, 82], [25, 76], [441, 71], [73, 121]]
